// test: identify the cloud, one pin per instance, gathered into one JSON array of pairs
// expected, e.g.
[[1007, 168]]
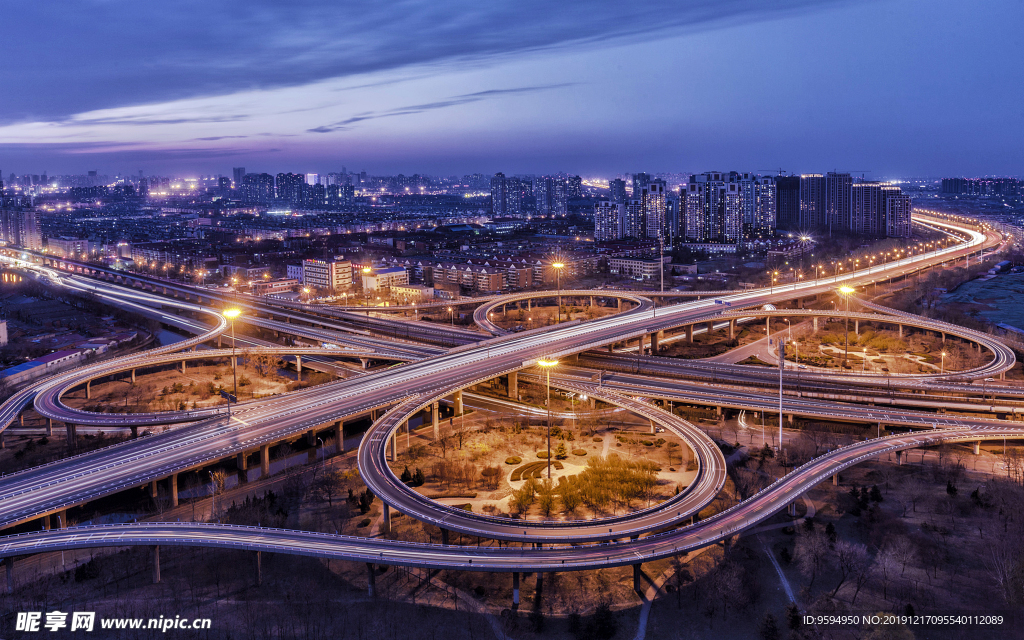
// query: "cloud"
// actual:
[[73, 56], [343, 125]]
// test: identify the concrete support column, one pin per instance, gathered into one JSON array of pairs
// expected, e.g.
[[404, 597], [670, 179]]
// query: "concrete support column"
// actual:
[[134, 430], [364, 362], [259, 568], [799, 303], [732, 329], [689, 333], [814, 322], [640, 344], [901, 330], [620, 304], [49, 428], [387, 518], [174, 489], [899, 457], [265, 460], [339, 435], [977, 447], [242, 461], [835, 479], [88, 394], [394, 446], [458, 402], [718, 411], [711, 327], [856, 327], [156, 564], [515, 591], [372, 579], [654, 343], [45, 520], [434, 418], [637, 573], [591, 300], [133, 376], [62, 519], [153, 489], [72, 436], [789, 418], [792, 509], [943, 337], [513, 385], [9, 565], [311, 437], [444, 536], [298, 367]]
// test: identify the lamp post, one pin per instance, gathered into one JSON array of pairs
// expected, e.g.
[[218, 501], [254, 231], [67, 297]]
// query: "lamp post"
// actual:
[[942, 367], [366, 292], [558, 284], [547, 366], [847, 292], [451, 311], [231, 314]]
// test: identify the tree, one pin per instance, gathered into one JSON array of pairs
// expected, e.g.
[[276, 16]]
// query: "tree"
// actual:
[[886, 564], [811, 550], [769, 628], [794, 619], [560, 451], [328, 485], [406, 477], [850, 558]]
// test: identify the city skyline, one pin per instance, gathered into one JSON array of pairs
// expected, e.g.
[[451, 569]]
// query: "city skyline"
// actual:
[[657, 86]]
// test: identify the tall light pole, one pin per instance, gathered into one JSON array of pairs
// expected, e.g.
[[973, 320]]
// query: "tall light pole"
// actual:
[[782, 367], [847, 292], [558, 280], [547, 365], [366, 292], [942, 367], [231, 314], [451, 311]]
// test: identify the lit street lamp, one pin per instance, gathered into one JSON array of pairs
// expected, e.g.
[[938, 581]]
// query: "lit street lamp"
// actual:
[[847, 292], [547, 365], [942, 366], [451, 311], [231, 314], [558, 284], [366, 292]]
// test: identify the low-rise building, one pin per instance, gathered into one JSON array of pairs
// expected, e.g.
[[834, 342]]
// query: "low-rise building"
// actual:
[[278, 285], [638, 268], [295, 271], [385, 278], [332, 275]]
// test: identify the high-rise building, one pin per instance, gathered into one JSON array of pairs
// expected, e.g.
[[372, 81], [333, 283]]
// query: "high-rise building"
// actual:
[[812, 202], [257, 188], [515, 197], [551, 195], [652, 196], [333, 275], [312, 178], [617, 191], [898, 212], [573, 187], [765, 196], [633, 224], [714, 211], [867, 209], [837, 201], [787, 202], [238, 173], [289, 187], [608, 220], [640, 180], [498, 195], [20, 228]]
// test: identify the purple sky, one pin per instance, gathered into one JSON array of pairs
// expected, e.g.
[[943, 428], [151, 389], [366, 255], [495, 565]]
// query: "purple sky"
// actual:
[[895, 88]]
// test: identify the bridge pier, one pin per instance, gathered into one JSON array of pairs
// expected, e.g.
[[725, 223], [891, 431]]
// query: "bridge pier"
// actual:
[[259, 568], [458, 402], [133, 376], [977, 447], [387, 518], [372, 579], [814, 322], [689, 333], [339, 435], [9, 566], [72, 436], [156, 564], [515, 591], [513, 385], [637, 576], [135, 430], [264, 460], [899, 457], [298, 367], [174, 489], [591, 300], [792, 509], [620, 305], [711, 327], [732, 329], [88, 395], [182, 367], [654, 343], [394, 447], [901, 330], [49, 428], [433, 418], [835, 479], [364, 362], [444, 536], [45, 523], [153, 489]]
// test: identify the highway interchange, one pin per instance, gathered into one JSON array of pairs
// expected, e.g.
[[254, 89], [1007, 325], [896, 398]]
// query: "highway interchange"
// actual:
[[406, 389]]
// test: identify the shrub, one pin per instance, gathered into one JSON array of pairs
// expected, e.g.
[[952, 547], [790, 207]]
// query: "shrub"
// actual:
[[542, 454], [598, 439], [579, 452], [513, 460], [365, 522], [244, 381]]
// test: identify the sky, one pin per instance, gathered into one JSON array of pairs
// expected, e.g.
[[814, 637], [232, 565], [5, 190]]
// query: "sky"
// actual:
[[884, 88]]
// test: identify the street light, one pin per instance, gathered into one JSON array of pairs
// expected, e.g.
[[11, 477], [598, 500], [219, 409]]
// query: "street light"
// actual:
[[547, 365], [847, 291], [942, 367], [231, 314], [558, 280], [451, 310]]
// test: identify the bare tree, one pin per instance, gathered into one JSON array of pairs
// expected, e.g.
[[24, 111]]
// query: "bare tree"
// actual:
[[848, 560], [886, 564], [811, 550]]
